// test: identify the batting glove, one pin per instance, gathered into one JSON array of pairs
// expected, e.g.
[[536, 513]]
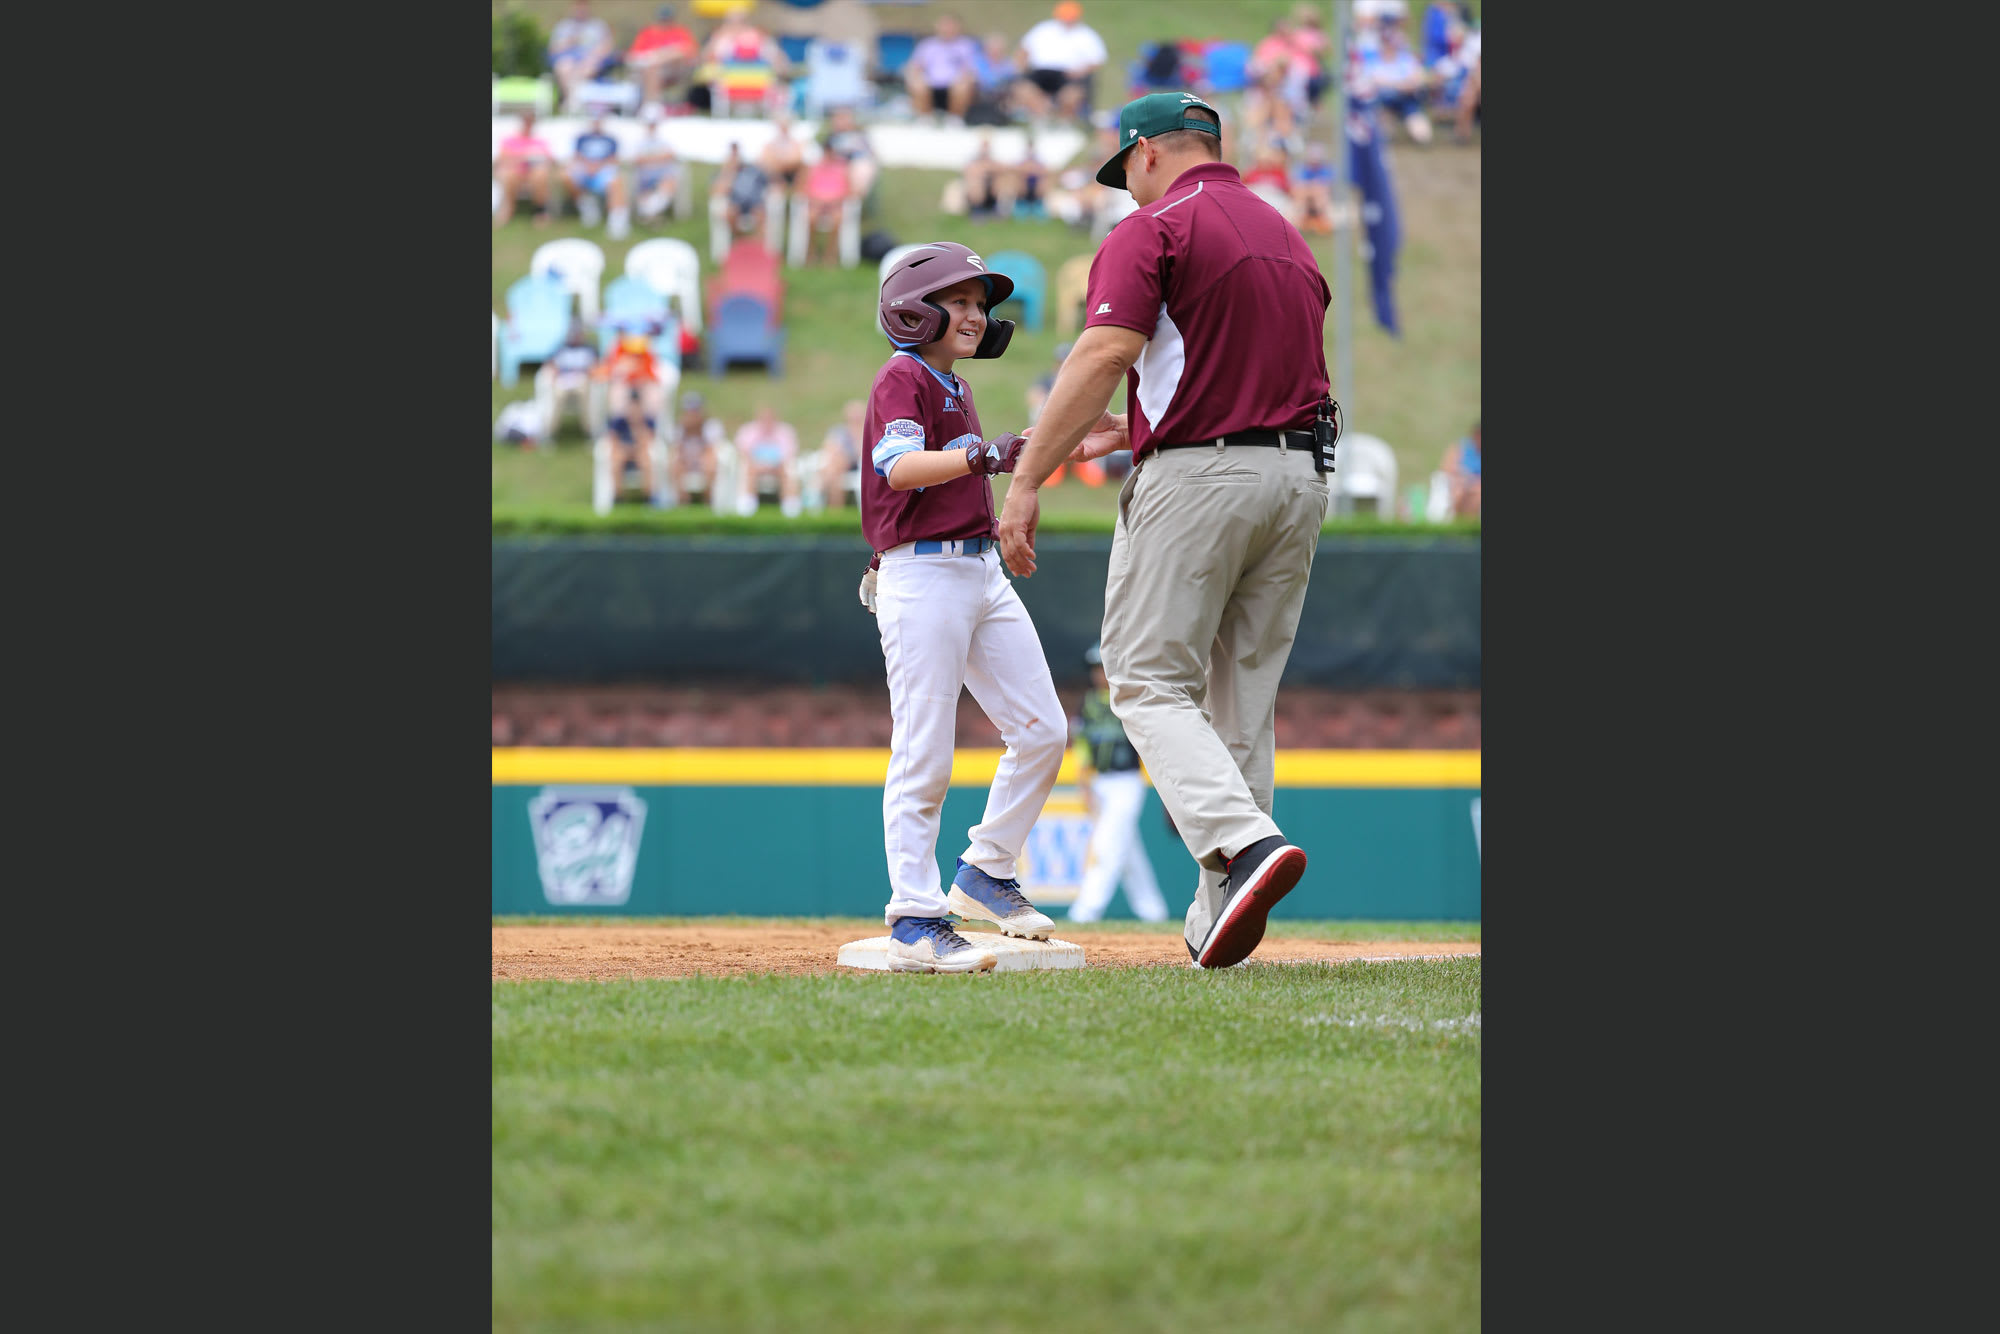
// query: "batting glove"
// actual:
[[868, 591], [999, 454]]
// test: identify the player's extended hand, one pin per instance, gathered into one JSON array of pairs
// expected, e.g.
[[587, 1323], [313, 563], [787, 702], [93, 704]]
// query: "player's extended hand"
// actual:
[[1018, 518], [999, 454]]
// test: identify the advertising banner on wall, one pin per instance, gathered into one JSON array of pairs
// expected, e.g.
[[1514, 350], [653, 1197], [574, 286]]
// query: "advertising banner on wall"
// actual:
[[1391, 834]]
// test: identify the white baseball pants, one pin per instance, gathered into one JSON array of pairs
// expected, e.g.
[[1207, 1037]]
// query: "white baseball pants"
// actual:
[[951, 622], [1117, 852]]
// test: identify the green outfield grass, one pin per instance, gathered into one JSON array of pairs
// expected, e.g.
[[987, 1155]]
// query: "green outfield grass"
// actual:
[[867, 926], [1270, 1148], [1419, 394]]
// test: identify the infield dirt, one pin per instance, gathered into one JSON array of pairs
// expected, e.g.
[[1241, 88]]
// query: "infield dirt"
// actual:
[[598, 953]]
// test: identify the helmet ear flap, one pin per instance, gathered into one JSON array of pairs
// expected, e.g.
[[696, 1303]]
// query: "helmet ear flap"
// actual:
[[994, 341]]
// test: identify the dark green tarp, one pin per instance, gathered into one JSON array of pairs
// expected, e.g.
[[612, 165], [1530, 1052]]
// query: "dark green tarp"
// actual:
[[1380, 612]]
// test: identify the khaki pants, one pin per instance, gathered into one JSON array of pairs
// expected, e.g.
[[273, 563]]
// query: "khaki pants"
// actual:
[[1209, 564]]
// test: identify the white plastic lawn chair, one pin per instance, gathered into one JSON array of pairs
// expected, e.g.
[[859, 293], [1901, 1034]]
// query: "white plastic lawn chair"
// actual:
[[580, 265], [1364, 471], [1437, 506], [799, 235], [672, 268]]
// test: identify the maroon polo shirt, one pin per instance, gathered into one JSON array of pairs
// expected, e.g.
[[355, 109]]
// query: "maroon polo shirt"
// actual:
[[912, 406], [1233, 306]]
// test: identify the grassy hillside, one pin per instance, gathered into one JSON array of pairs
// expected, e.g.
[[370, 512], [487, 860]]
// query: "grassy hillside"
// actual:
[[1419, 394]]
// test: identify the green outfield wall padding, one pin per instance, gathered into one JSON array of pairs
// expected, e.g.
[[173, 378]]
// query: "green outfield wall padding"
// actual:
[[1399, 854], [1380, 613]]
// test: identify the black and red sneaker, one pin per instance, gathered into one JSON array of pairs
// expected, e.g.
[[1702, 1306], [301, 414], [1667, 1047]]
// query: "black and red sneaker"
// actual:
[[1259, 876]]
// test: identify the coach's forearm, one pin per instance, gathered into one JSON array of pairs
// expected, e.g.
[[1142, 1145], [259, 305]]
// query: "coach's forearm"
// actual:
[[927, 467], [1083, 389]]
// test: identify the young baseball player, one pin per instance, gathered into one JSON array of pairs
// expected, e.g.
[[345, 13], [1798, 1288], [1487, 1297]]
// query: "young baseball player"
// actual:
[[1114, 793], [948, 616]]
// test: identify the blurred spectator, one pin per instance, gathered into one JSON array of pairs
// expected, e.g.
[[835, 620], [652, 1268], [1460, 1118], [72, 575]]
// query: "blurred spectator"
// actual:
[[1077, 195], [997, 72], [1079, 200], [1061, 56], [748, 67], [580, 49], [840, 456], [1400, 82], [1277, 52], [1270, 167], [697, 438], [525, 160], [767, 455], [991, 187], [1314, 191], [781, 157], [1270, 179], [843, 135], [1310, 41], [661, 177], [1465, 110], [827, 189], [1371, 12], [1091, 472], [1461, 469], [1368, 16], [1269, 117], [1038, 392], [563, 382], [634, 401], [784, 166], [743, 186], [1443, 30], [943, 70], [595, 181], [663, 55], [1447, 56]]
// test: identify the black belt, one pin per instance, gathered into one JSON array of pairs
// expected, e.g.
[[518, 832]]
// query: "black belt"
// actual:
[[1300, 437]]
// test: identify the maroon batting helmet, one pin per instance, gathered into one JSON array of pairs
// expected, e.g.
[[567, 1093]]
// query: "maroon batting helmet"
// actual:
[[913, 319]]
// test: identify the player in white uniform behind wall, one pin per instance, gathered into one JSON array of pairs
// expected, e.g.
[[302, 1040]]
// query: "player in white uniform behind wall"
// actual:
[[948, 616]]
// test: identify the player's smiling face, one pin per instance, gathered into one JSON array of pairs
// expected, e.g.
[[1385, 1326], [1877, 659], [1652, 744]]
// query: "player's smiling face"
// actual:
[[964, 306]]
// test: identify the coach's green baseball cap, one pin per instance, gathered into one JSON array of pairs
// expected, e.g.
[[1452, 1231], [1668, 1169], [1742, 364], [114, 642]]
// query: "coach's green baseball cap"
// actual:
[[1153, 114]]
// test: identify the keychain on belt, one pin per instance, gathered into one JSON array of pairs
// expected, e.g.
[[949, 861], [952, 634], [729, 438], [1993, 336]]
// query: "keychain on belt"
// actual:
[[1326, 432]]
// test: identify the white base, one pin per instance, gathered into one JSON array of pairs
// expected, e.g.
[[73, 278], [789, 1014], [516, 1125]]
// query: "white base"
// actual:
[[1013, 955]]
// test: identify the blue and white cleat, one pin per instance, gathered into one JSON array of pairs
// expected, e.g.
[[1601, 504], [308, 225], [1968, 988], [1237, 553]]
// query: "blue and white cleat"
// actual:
[[977, 896], [929, 945]]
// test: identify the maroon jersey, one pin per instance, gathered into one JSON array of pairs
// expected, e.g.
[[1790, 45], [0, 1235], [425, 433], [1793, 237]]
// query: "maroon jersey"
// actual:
[[914, 407], [1234, 306]]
